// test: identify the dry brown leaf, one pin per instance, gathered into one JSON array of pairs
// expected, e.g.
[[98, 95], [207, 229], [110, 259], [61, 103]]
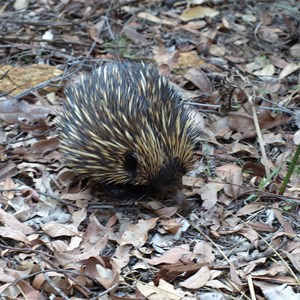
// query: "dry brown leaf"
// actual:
[[282, 279], [28, 291], [8, 169], [171, 225], [173, 255], [4, 276], [255, 65], [164, 291], [220, 128], [216, 50], [193, 26], [274, 138], [80, 196], [289, 69], [21, 4], [249, 209], [254, 168], [295, 50], [267, 70], [154, 19], [237, 147], [15, 234], [199, 79], [15, 111], [208, 194], [281, 292], [121, 257], [205, 250], [102, 269], [86, 250], [198, 280], [30, 194], [9, 220], [137, 234], [269, 35], [234, 275], [45, 146], [260, 226], [79, 216], [233, 188], [198, 12], [186, 60], [193, 182], [219, 285], [279, 62], [95, 31], [250, 234], [296, 137], [55, 229], [294, 259], [58, 280], [38, 281], [8, 187], [70, 38], [287, 226], [240, 121], [252, 265], [169, 211], [227, 170], [135, 36]]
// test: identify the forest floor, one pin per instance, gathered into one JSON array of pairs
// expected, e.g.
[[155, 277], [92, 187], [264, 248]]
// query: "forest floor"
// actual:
[[234, 233]]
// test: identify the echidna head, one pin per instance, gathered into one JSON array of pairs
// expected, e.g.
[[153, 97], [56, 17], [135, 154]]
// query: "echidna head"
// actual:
[[164, 182], [167, 176]]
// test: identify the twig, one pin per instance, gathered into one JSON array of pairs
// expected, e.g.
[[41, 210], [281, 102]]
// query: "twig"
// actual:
[[261, 142]]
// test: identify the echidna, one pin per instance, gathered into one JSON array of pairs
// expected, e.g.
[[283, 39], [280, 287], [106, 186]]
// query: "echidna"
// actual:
[[125, 127]]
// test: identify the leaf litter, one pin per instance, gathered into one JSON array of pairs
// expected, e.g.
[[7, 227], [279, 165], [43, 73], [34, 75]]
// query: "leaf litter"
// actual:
[[229, 234]]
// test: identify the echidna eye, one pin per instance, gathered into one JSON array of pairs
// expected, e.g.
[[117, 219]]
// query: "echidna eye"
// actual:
[[131, 164]]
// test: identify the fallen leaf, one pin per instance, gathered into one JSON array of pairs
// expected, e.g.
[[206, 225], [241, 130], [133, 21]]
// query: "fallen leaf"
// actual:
[[164, 291], [198, 12], [102, 269], [20, 4], [198, 280], [45, 146], [154, 19], [227, 170], [55, 229], [216, 284], [281, 292], [216, 50], [205, 250], [250, 234], [9, 220], [15, 111], [137, 234], [289, 69], [267, 70], [199, 79], [295, 50], [249, 209], [173, 255], [15, 234], [209, 195]]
